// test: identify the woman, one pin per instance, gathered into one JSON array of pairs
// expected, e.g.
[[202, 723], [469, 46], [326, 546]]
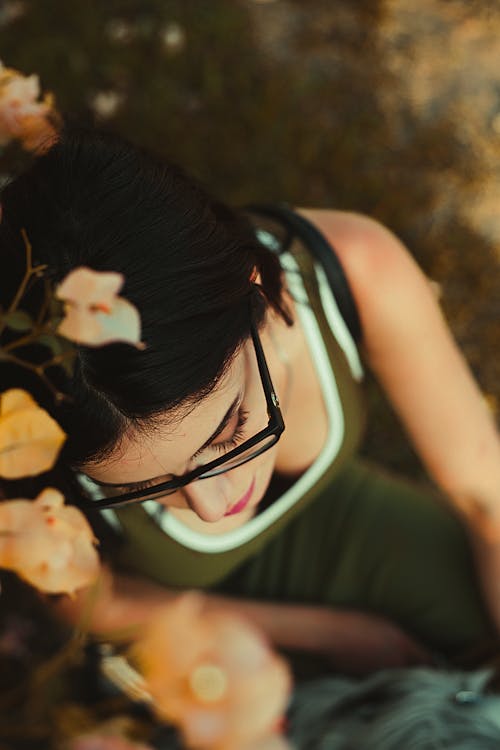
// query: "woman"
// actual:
[[181, 447]]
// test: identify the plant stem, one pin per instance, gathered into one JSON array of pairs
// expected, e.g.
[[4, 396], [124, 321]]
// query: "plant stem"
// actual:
[[28, 339], [38, 370], [45, 304], [30, 271], [57, 359]]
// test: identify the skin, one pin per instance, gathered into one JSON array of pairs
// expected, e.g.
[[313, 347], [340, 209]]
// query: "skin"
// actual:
[[202, 505], [410, 349]]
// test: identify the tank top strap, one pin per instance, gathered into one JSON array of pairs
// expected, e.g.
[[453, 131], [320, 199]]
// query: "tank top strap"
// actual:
[[278, 227]]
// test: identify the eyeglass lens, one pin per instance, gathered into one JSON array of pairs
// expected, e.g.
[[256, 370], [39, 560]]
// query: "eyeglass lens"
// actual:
[[257, 421]]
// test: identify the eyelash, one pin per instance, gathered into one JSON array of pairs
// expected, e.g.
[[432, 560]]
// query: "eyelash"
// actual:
[[231, 442], [142, 486]]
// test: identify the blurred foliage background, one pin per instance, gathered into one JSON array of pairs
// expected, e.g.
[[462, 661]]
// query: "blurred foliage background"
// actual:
[[384, 107]]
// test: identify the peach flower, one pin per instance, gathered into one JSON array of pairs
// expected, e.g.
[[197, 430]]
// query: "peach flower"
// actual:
[[272, 742], [21, 115], [94, 314], [30, 439], [213, 675], [48, 544], [95, 741]]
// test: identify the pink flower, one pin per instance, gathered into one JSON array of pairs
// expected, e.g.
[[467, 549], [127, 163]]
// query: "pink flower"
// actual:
[[48, 544], [105, 742], [94, 314], [111, 734], [213, 675], [30, 439], [272, 742], [21, 115]]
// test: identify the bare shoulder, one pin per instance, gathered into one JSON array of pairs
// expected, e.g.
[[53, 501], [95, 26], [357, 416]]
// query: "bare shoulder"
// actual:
[[360, 241], [346, 225], [367, 250]]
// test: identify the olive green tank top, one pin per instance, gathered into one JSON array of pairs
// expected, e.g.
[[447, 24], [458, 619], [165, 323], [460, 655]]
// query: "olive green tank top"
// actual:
[[156, 544]]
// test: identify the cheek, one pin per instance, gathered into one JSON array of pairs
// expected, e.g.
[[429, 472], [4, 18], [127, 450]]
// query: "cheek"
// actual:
[[259, 470], [238, 481], [263, 473], [176, 500]]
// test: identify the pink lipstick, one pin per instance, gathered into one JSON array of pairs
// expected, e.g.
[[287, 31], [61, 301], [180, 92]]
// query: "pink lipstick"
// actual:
[[241, 504]]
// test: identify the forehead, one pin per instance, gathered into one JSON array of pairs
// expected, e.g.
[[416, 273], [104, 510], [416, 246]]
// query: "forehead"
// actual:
[[167, 446]]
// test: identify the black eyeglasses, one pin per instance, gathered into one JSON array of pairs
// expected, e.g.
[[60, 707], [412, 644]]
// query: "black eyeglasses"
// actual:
[[247, 451]]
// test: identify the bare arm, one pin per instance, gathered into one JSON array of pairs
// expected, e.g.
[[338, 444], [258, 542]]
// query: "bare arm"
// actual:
[[412, 352], [352, 641]]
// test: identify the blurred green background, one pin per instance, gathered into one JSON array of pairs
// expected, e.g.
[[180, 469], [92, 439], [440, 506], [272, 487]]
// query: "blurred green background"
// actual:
[[387, 108]]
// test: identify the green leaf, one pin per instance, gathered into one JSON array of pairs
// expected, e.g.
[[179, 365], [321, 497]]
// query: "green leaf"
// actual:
[[18, 320]]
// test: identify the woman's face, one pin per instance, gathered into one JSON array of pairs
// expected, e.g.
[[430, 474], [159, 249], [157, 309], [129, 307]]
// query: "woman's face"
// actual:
[[235, 411]]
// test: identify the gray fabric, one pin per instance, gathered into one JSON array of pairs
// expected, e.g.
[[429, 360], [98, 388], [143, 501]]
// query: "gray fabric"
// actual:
[[407, 709]]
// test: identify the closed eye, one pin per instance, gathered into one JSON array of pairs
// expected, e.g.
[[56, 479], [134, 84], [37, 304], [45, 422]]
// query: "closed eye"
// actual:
[[219, 448], [231, 442], [138, 486]]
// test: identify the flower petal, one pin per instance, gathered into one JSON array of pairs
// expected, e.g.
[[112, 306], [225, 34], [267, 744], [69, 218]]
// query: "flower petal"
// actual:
[[122, 324], [21, 115], [271, 742], [14, 399], [36, 133], [187, 641], [94, 315], [80, 325], [30, 439], [203, 728], [96, 741], [48, 544], [87, 287]]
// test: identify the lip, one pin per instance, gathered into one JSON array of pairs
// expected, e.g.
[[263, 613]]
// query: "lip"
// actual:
[[242, 503]]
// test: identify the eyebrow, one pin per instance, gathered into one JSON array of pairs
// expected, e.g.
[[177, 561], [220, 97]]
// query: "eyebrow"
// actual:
[[220, 428]]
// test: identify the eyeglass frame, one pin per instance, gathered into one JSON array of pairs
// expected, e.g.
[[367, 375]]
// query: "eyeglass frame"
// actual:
[[275, 428]]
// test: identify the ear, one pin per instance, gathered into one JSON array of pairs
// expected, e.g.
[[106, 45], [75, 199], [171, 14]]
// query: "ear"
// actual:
[[255, 276]]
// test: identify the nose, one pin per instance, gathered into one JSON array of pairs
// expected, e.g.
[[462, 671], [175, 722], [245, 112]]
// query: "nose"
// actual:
[[209, 498]]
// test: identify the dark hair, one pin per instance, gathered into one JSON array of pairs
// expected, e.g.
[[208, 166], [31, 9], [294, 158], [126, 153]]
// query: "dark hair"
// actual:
[[96, 200]]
